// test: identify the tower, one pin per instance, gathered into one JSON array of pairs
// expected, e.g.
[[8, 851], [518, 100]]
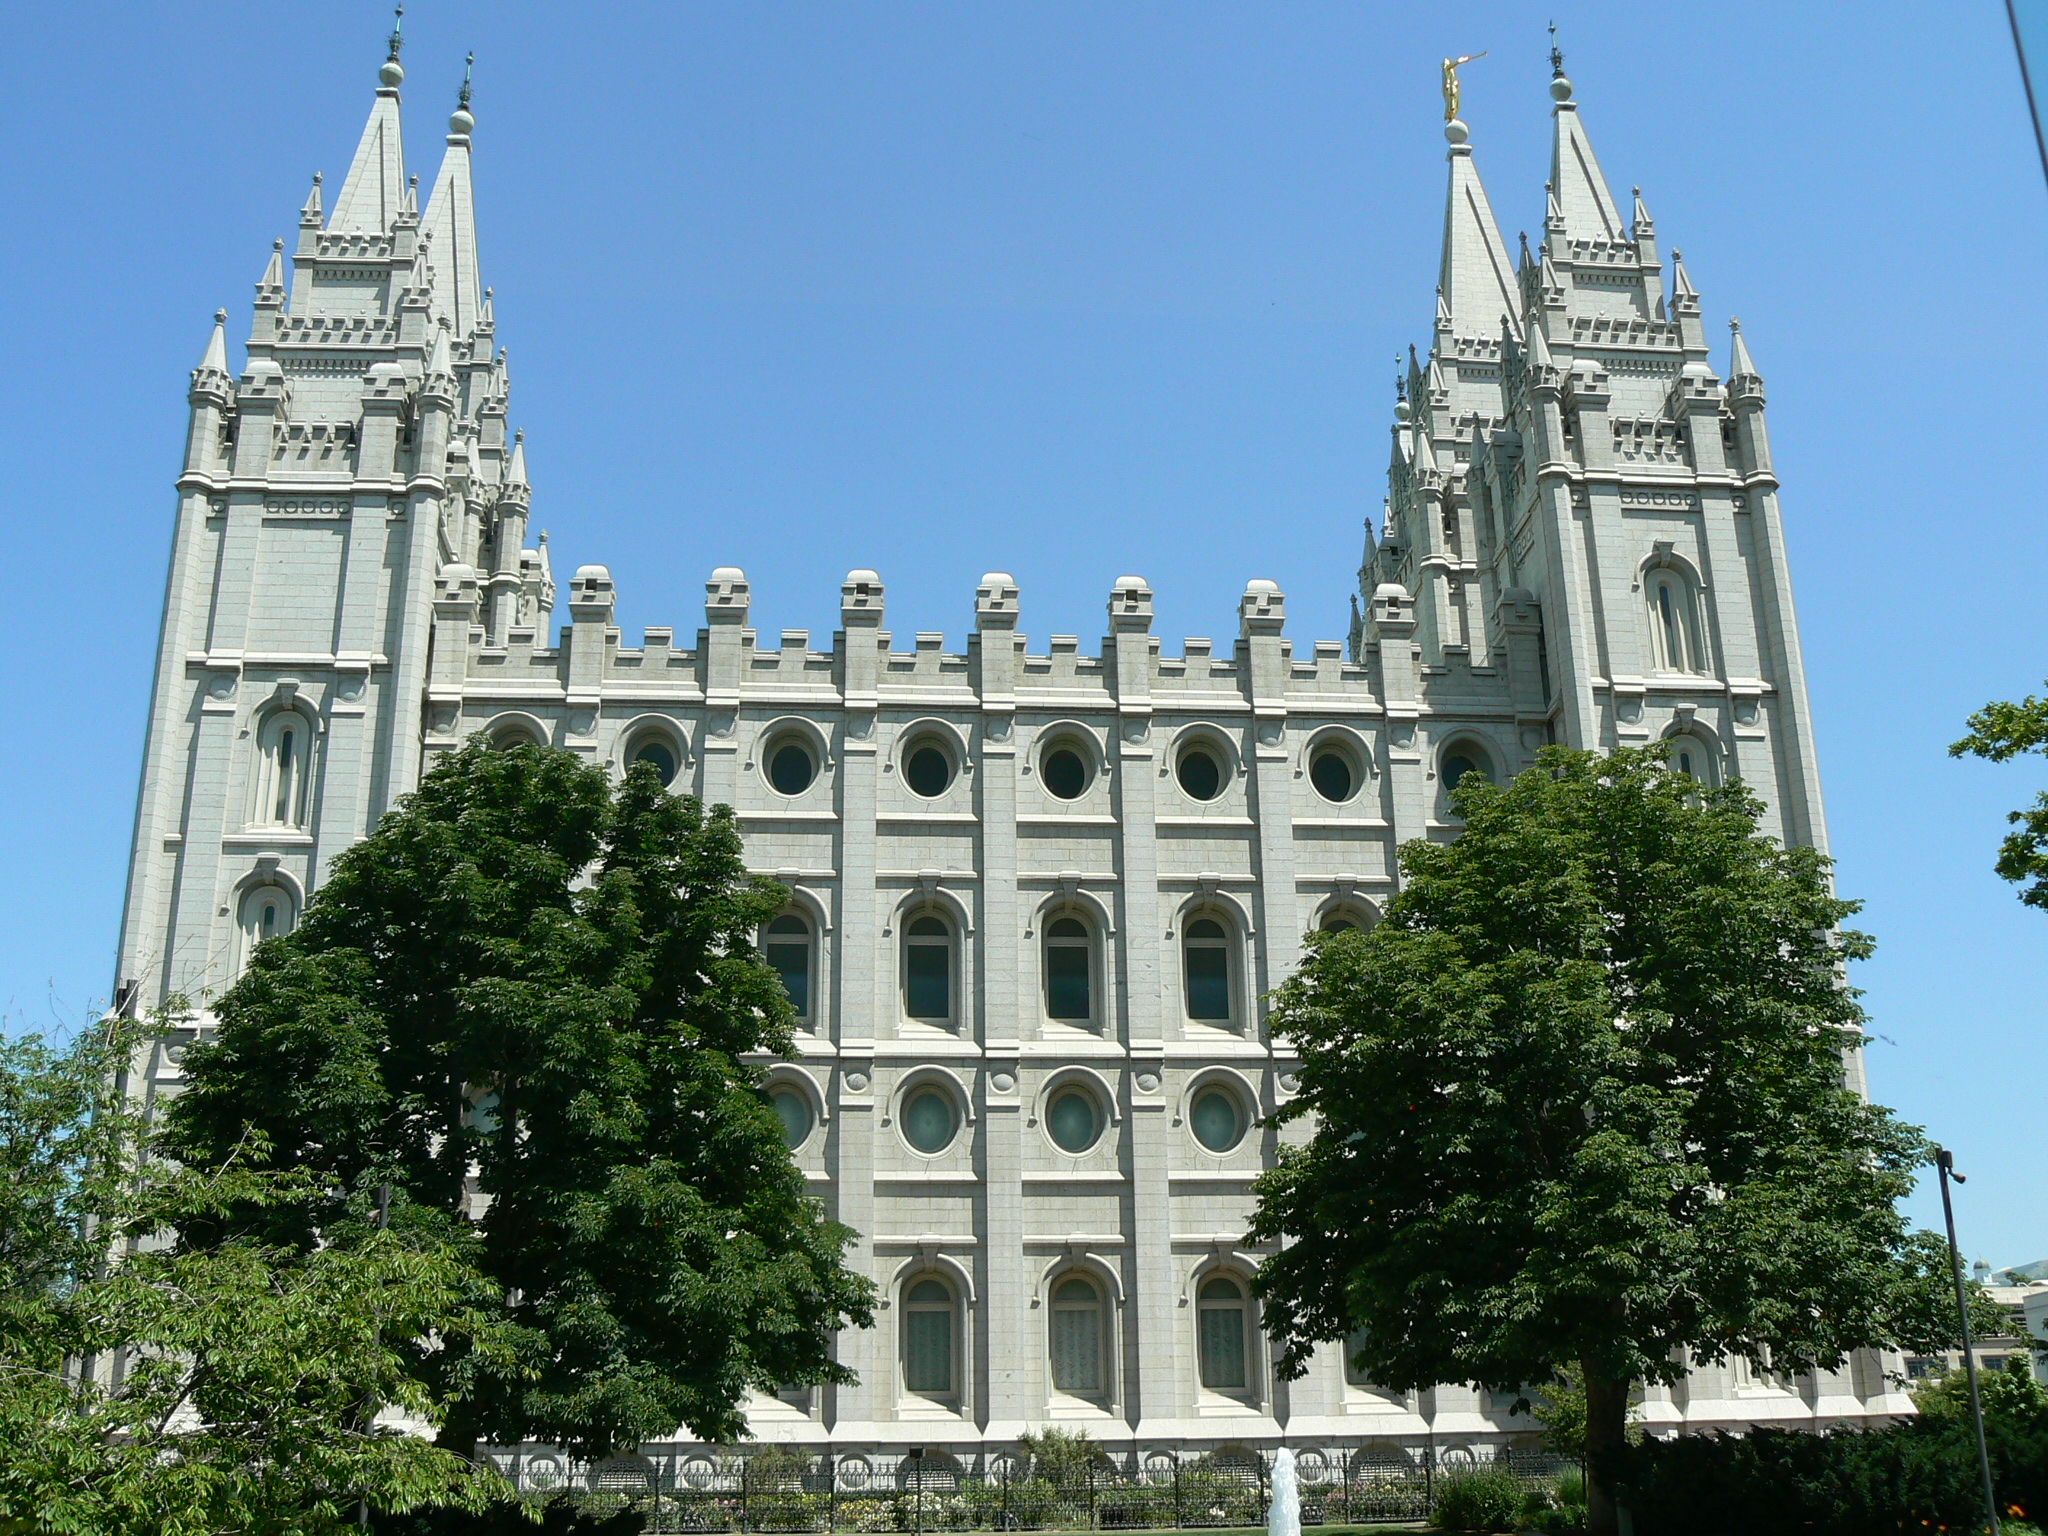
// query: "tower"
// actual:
[[1581, 511], [362, 448]]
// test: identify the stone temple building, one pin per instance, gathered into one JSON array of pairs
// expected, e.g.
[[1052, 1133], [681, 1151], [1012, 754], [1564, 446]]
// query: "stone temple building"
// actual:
[[1037, 892]]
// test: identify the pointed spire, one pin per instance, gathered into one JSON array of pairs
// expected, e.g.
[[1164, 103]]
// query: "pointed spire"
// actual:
[[1740, 365], [1538, 356], [371, 195], [451, 223], [516, 475], [310, 213], [1681, 285], [439, 360], [1475, 281], [216, 358], [1580, 191], [1640, 223], [1424, 457], [272, 281]]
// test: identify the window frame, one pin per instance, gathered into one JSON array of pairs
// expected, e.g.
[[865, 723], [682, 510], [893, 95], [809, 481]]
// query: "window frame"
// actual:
[[1103, 1393], [656, 732], [951, 1020], [952, 1395], [1247, 1392], [1672, 606], [1230, 944], [1072, 737], [267, 790], [807, 1014], [1089, 944], [246, 924], [1221, 1080]]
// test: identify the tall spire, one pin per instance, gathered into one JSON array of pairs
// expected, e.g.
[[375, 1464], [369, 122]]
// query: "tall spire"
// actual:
[[451, 223], [1740, 365], [1476, 281], [375, 189], [216, 358], [1583, 202]]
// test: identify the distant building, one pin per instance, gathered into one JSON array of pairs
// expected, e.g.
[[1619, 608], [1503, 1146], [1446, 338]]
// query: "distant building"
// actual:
[[1037, 894]]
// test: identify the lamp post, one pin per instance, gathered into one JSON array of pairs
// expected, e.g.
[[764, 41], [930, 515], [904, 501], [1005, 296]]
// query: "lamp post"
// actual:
[[1945, 1169]]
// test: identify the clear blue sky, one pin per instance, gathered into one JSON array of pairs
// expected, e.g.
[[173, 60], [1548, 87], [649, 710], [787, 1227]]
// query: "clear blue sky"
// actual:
[[1071, 290]]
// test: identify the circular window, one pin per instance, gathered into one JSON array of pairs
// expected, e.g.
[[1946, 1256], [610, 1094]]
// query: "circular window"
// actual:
[[791, 768], [1330, 771], [1459, 763], [794, 1111], [660, 756], [928, 1120], [1073, 1120], [928, 771], [1217, 1119], [1064, 773], [1200, 774]]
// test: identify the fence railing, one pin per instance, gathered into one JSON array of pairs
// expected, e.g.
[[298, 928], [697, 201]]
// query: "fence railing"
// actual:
[[775, 1490]]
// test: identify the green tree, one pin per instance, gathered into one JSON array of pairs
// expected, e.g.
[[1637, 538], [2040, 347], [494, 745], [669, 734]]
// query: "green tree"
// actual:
[[1580, 1099], [243, 1389], [531, 1004], [2001, 731]]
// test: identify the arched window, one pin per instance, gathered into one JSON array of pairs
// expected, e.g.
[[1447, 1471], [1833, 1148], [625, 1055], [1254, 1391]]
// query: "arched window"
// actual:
[[793, 1109], [1206, 945], [1461, 758], [1349, 917], [928, 969], [659, 754], [1674, 622], [788, 948], [267, 912], [284, 773], [1692, 757], [1069, 971], [1078, 1355], [1220, 1312], [928, 1331]]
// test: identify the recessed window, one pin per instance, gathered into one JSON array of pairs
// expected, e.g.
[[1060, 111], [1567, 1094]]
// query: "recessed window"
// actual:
[[788, 949], [1073, 1120], [791, 768], [268, 912], [1354, 1373], [1693, 758], [1331, 774], [1064, 773], [1206, 946], [1217, 1118], [928, 968], [1221, 1321], [1200, 775], [929, 1120], [1069, 964], [1460, 761], [284, 763], [1077, 1330], [928, 1338], [794, 1111], [659, 756], [1674, 622], [928, 771]]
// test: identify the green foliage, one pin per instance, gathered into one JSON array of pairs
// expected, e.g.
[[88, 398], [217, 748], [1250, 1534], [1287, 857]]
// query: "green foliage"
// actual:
[[145, 1389], [1579, 1098], [1483, 1499], [1926, 1313], [1913, 1476], [2009, 1394], [532, 1004], [1061, 1456], [2001, 731]]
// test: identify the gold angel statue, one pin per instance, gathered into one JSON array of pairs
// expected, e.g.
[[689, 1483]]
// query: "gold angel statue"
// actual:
[[1451, 82]]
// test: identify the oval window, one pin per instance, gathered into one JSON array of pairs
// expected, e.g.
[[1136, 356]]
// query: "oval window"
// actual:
[[794, 1111], [791, 769], [1073, 1120], [1064, 773], [928, 1120], [1217, 1119], [659, 756], [1330, 772], [1200, 774], [928, 771]]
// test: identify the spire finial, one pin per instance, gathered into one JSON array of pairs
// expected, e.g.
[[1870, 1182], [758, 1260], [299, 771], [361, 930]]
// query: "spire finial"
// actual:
[[468, 64], [1556, 55], [391, 74]]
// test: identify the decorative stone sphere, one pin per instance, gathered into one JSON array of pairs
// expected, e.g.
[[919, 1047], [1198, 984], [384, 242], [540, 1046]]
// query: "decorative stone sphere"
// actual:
[[1455, 131], [1403, 412], [391, 73], [461, 122], [1560, 89]]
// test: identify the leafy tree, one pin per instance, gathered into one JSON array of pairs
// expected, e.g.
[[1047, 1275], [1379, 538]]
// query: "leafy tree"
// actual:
[[2011, 1393], [1579, 1099], [243, 1389], [2001, 731], [528, 1002]]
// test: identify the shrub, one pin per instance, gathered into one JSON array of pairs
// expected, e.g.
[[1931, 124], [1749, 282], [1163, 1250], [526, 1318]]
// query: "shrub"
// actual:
[[1487, 1499]]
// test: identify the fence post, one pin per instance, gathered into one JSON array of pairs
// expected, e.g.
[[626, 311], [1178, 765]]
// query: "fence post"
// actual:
[[743, 1496], [1178, 1518]]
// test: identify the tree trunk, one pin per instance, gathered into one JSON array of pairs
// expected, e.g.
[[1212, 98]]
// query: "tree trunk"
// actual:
[[1606, 1435]]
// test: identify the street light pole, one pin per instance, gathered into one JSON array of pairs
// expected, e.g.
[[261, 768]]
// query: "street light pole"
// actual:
[[1945, 1169]]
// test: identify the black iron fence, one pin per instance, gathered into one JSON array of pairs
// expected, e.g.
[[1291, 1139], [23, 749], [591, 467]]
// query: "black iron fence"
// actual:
[[775, 1489]]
